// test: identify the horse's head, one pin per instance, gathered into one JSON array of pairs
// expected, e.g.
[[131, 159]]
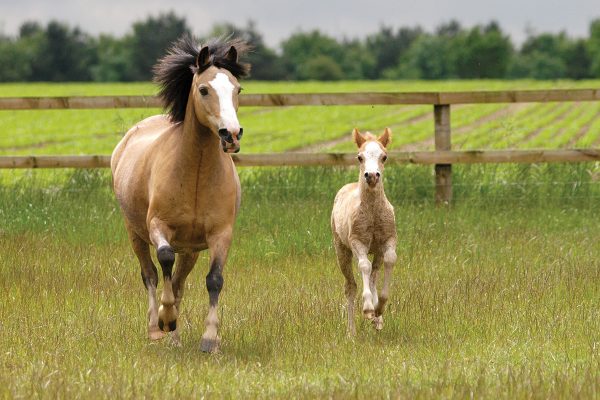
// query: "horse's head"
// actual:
[[372, 154], [208, 78], [215, 94]]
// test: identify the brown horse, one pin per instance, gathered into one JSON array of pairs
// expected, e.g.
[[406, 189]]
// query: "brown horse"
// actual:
[[175, 181], [363, 223]]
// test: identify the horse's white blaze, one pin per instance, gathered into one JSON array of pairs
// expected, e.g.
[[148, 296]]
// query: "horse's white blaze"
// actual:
[[224, 89], [372, 154]]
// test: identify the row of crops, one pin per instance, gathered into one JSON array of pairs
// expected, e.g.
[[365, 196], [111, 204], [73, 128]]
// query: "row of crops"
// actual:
[[546, 125]]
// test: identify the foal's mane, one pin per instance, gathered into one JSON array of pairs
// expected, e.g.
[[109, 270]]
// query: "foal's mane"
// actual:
[[175, 71]]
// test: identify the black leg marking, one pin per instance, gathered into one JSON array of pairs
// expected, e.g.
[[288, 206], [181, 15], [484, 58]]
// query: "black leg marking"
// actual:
[[166, 258], [152, 280], [214, 283], [161, 324], [173, 326]]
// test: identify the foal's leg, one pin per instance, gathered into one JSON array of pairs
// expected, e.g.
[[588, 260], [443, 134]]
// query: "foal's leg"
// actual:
[[219, 247], [185, 264], [150, 279], [389, 259], [364, 265], [377, 261], [160, 235], [344, 256]]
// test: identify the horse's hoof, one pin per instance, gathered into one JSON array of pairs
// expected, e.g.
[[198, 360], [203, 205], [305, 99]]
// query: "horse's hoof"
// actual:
[[167, 318], [175, 339], [155, 334], [378, 323], [210, 345]]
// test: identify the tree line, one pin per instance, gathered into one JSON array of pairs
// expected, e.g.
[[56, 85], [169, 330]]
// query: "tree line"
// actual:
[[58, 52]]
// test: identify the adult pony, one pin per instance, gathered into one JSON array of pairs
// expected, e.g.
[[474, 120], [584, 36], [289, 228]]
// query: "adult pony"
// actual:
[[363, 223], [175, 181]]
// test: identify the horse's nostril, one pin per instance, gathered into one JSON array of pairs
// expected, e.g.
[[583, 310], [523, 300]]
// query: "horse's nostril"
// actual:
[[366, 174]]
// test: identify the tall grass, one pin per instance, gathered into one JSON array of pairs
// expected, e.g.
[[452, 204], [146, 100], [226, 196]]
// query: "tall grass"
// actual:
[[497, 296]]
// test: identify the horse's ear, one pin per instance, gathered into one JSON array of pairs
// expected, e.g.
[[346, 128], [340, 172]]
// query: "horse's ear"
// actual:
[[359, 139], [203, 57], [232, 54], [386, 137]]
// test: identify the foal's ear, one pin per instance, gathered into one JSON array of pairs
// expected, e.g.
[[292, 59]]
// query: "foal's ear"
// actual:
[[203, 57], [359, 139], [232, 54], [386, 137]]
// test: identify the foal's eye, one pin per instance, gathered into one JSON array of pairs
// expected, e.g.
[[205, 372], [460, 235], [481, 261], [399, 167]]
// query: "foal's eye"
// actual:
[[384, 158], [360, 159], [203, 91]]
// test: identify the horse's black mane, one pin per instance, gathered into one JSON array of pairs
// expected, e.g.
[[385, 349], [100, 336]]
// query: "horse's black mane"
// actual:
[[175, 71]]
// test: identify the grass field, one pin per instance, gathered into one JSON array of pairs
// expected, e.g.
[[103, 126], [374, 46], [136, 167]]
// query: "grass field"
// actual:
[[495, 297]]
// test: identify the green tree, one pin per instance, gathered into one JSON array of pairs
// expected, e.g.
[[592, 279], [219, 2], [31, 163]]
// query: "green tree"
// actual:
[[266, 64], [301, 48], [150, 40], [387, 48], [593, 48], [484, 52]]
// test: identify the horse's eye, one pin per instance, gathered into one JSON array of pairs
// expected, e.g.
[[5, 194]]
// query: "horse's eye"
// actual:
[[240, 90], [384, 158], [360, 159], [203, 91]]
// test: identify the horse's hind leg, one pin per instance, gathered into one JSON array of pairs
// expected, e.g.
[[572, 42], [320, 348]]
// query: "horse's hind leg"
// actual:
[[150, 279], [344, 256], [219, 247], [185, 264], [167, 312]]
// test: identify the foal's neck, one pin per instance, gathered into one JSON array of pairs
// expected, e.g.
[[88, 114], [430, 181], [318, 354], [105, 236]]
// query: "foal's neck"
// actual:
[[371, 196]]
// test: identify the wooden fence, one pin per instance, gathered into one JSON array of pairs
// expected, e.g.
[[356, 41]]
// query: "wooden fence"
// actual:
[[442, 158]]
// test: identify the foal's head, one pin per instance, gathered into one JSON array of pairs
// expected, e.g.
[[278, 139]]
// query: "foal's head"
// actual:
[[208, 77], [372, 155]]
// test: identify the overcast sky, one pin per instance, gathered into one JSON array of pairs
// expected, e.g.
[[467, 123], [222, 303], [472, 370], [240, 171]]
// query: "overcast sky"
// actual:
[[277, 19]]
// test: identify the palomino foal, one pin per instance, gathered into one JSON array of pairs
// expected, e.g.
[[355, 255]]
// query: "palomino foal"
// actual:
[[363, 223], [176, 182]]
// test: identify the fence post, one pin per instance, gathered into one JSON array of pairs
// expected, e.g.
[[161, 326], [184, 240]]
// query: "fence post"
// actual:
[[443, 172]]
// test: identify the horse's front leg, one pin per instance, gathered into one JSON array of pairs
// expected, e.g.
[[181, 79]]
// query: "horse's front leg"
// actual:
[[160, 235], [364, 265], [389, 259], [185, 264], [219, 247]]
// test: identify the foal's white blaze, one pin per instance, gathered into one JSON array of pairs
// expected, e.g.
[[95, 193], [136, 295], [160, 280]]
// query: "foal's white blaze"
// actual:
[[372, 154], [224, 89]]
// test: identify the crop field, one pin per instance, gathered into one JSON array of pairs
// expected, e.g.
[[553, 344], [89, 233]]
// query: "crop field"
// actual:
[[551, 125], [497, 296]]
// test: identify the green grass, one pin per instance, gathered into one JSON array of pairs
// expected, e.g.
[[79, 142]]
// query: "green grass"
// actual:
[[497, 297]]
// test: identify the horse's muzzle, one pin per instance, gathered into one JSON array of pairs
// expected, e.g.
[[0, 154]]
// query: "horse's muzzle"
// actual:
[[228, 142]]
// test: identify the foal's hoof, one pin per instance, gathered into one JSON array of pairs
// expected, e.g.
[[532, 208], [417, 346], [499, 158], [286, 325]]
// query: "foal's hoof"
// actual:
[[167, 319], [378, 323], [155, 333], [369, 314], [210, 345]]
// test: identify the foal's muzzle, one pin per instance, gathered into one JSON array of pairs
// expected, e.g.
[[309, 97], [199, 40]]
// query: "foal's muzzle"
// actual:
[[229, 142], [372, 178]]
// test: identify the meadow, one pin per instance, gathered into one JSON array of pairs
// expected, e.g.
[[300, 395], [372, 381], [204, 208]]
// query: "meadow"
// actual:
[[496, 296]]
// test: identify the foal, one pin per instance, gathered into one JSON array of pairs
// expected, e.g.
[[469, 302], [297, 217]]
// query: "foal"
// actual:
[[363, 223]]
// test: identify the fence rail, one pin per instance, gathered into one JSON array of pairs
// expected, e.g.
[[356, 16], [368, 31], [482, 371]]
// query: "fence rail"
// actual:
[[443, 157], [314, 99], [333, 159]]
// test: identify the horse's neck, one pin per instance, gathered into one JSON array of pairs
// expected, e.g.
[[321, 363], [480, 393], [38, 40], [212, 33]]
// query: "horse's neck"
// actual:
[[200, 149], [371, 198]]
